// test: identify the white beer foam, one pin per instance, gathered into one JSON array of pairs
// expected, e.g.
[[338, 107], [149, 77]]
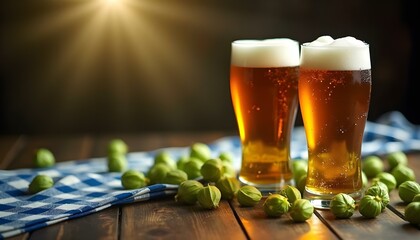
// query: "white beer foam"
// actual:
[[325, 53], [276, 52]]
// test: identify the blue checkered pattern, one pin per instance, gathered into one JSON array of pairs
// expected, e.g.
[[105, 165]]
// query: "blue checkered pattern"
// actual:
[[84, 186], [391, 132], [81, 187]]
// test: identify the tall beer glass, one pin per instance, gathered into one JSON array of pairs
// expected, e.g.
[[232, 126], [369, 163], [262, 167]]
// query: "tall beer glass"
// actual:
[[334, 95], [263, 83]]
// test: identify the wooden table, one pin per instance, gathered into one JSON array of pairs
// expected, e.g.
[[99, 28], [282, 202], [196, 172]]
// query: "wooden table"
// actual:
[[164, 219]]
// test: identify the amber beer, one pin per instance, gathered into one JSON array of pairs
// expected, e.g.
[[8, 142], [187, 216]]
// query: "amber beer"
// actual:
[[263, 81], [334, 95]]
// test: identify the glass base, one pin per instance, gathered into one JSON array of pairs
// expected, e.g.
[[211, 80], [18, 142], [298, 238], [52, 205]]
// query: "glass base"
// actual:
[[266, 189], [322, 201]]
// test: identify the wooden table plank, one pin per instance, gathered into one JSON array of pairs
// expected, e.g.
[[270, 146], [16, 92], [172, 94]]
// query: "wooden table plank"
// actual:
[[414, 163], [396, 204], [259, 226], [185, 140], [108, 230], [385, 226], [135, 143], [388, 225], [64, 148], [100, 225], [153, 141], [10, 147], [165, 219]]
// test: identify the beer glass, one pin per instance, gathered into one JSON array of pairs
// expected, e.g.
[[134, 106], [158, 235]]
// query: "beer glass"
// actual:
[[263, 83], [334, 95]]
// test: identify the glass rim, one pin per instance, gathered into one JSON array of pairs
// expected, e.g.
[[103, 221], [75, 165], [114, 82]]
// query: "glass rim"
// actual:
[[306, 45], [264, 42]]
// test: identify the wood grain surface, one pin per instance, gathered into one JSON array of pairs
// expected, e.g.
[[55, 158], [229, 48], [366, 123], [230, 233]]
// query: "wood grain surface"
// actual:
[[165, 219]]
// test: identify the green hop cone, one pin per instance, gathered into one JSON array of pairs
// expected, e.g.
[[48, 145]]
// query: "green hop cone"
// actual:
[[299, 168], [291, 193], [165, 158], [228, 170], [209, 197], [416, 198], [117, 162], [365, 180], [380, 192], [301, 184], [301, 210], [188, 192], [403, 173], [377, 182], [117, 146], [200, 151], [342, 205], [181, 162], [370, 206], [193, 167], [226, 157], [228, 187], [44, 158], [175, 177], [133, 179], [388, 179], [276, 205], [212, 170], [158, 172], [248, 196], [412, 213], [39, 183], [407, 190], [396, 158], [372, 166]]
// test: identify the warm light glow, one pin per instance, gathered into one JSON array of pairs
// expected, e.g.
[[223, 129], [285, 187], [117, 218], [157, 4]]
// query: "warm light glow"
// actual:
[[113, 5], [307, 109], [316, 230], [121, 47], [111, 1], [115, 33], [240, 118]]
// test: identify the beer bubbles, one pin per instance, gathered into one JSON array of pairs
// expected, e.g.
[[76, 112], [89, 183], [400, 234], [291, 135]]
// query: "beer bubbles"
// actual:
[[263, 83], [334, 96]]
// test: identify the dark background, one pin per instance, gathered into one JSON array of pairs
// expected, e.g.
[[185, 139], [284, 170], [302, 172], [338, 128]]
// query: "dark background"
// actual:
[[164, 65]]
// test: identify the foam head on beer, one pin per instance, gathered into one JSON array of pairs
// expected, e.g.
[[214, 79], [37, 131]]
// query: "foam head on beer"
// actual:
[[276, 52], [326, 53]]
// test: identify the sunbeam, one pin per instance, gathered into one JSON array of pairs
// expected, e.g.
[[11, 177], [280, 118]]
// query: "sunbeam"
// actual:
[[131, 56]]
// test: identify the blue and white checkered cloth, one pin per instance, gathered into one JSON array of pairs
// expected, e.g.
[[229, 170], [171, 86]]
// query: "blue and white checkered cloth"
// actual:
[[84, 186], [391, 132]]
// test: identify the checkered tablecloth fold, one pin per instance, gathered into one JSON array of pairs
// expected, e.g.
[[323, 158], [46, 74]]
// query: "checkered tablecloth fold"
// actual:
[[83, 187]]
